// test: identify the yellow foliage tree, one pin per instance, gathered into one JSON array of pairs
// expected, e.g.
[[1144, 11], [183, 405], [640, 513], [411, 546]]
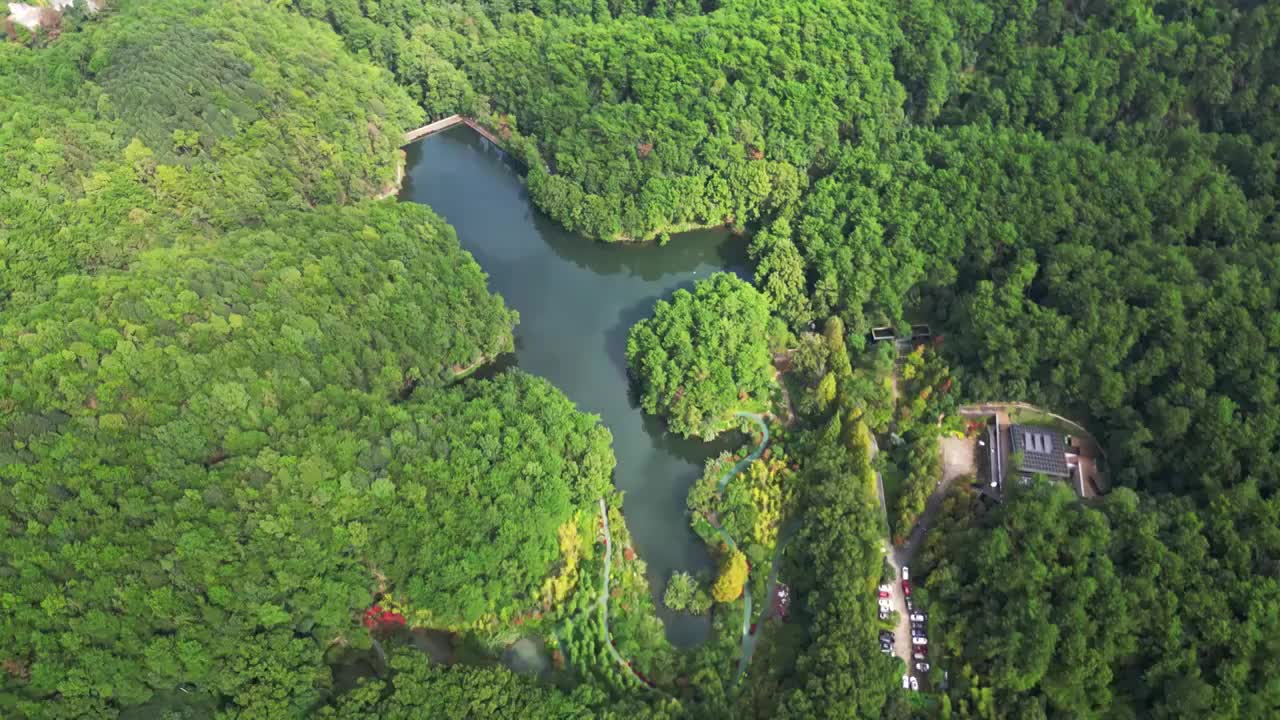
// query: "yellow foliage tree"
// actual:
[[556, 589], [733, 574], [766, 495]]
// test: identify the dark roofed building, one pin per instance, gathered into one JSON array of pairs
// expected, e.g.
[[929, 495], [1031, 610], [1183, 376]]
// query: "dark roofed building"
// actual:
[[1044, 451]]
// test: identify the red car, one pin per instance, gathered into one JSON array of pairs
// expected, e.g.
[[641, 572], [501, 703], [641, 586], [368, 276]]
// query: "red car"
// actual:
[[906, 588], [884, 594]]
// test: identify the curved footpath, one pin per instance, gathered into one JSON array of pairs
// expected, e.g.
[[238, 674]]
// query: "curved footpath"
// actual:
[[748, 638], [607, 636]]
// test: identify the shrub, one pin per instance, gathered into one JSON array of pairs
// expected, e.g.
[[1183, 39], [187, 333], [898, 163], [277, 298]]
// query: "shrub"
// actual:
[[733, 574]]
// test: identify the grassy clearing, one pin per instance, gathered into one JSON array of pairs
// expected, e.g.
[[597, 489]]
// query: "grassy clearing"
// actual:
[[1034, 417]]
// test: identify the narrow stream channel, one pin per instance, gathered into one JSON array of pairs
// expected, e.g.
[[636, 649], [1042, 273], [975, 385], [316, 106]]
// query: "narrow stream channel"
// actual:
[[577, 300]]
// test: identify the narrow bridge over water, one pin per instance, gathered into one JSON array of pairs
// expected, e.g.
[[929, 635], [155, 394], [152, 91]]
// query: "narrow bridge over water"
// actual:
[[446, 123]]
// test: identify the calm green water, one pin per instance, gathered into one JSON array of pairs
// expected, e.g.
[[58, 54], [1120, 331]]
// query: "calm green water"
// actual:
[[577, 300]]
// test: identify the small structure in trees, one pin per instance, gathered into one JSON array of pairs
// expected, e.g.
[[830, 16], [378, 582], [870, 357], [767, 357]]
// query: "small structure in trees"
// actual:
[[781, 601]]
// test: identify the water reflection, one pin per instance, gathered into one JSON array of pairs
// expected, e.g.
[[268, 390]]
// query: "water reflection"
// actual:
[[577, 301]]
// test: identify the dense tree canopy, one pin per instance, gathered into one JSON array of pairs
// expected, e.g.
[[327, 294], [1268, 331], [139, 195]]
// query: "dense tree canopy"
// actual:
[[837, 564], [1130, 287], [703, 354], [483, 478], [172, 122], [215, 448], [417, 689], [645, 125], [228, 420], [231, 416], [1138, 608]]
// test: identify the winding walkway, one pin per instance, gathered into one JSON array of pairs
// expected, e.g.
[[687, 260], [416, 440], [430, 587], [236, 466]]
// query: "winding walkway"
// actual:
[[606, 636], [748, 638]]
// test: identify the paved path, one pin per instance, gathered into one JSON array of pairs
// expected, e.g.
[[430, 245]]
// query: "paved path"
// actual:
[[901, 633], [749, 641], [748, 638], [603, 601]]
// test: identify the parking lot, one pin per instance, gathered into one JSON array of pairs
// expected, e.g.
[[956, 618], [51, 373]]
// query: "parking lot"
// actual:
[[909, 640]]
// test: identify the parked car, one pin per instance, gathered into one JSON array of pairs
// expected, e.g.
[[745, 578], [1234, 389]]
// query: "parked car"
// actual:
[[922, 667], [906, 682], [886, 635], [919, 641], [906, 573], [919, 655], [915, 684], [917, 632], [921, 650], [886, 588], [910, 607], [884, 614], [906, 588], [884, 594], [919, 617], [885, 605]]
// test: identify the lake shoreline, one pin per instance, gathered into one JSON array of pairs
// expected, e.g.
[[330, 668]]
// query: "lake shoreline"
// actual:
[[578, 299]]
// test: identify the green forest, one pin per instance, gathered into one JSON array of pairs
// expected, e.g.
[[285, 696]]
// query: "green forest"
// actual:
[[252, 445]]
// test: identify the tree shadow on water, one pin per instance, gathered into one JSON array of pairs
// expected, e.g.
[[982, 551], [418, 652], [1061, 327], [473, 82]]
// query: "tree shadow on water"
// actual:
[[615, 338]]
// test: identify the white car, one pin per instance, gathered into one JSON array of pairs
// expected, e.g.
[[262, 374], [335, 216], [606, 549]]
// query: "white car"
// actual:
[[906, 573], [886, 603], [915, 684], [917, 617], [922, 666], [906, 681], [886, 588], [919, 641]]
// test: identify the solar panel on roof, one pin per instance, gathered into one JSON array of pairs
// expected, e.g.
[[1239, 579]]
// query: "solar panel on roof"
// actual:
[[1042, 450]]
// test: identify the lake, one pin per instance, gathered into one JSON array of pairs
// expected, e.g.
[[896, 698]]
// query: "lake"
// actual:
[[577, 300]]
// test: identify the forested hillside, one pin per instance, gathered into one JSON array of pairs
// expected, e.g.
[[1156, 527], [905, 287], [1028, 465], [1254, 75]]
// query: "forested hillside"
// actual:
[[1084, 195], [239, 447], [166, 124], [1132, 288], [229, 421], [647, 125], [1142, 607]]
